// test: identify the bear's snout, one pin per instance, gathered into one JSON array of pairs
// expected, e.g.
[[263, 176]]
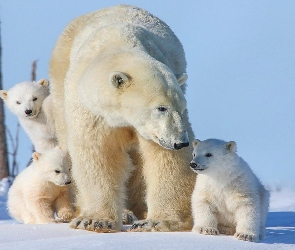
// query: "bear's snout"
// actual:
[[68, 182], [180, 145], [195, 166], [28, 111]]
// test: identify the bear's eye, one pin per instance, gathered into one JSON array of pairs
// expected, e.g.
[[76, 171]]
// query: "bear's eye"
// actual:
[[162, 109], [57, 171], [119, 80], [18, 102], [208, 155], [194, 155], [34, 99]]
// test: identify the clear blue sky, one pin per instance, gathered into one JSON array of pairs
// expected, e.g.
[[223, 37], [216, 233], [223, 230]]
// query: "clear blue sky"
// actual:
[[241, 68]]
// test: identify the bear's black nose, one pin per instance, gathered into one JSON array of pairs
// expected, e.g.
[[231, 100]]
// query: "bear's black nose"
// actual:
[[68, 182], [180, 145], [28, 111], [193, 164]]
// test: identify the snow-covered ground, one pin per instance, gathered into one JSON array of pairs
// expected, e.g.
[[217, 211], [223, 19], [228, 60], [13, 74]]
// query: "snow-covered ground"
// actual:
[[280, 233]]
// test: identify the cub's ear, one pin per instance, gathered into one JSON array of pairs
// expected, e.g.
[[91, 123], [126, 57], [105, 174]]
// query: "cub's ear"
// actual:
[[43, 82], [181, 78], [195, 142], [3, 94], [231, 146], [119, 79], [36, 156]]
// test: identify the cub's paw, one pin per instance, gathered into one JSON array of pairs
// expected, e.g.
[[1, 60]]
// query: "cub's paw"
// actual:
[[65, 214], [246, 236], [128, 217], [206, 230], [96, 225], [59, 220], [158, 226]]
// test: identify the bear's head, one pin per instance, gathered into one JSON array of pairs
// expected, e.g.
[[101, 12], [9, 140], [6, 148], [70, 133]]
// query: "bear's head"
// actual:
[[132, 89], [54, 166], [25, 99], [212, 154]]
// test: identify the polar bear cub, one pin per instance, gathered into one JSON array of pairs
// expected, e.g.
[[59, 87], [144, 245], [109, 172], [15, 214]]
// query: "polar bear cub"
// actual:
[[31, 103], [228, 198], [41, 190]]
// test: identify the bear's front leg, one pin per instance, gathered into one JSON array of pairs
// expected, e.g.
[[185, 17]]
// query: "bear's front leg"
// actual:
[[170, 184], [205, 221], [247, 216], [63, 205], [100, 167]]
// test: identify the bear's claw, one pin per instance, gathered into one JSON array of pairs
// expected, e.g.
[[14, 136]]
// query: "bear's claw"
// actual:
[[101, 226], [246, 237], [209, 231], [158, 226]]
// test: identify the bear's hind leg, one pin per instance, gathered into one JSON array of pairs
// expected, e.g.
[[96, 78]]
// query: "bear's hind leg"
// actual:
[[41, 210]]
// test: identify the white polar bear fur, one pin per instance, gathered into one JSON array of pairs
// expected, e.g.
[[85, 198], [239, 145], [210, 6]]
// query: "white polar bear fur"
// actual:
[[228, 198], [38, 191], [39, 124], [108, 124]]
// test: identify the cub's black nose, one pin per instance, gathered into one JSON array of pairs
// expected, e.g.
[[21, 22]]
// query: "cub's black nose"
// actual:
[[180, 145], [68, 182], [193, 164], [28, 111]]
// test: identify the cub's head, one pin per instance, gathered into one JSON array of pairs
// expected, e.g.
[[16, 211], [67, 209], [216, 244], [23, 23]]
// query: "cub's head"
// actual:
[[54, 166], [133, 89], [211, 154], [25, 99]]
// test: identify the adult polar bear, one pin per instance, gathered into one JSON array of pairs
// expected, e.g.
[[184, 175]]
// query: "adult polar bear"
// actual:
[[115, 83]]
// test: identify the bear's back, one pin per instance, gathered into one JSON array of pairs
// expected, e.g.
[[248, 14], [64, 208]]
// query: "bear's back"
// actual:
[[136, 26]]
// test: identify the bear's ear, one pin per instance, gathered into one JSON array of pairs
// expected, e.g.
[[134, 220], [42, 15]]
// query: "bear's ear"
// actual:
[[36, 156], [181, 78], [231, 146], [43, 82], [3, 94], [195, 142], [119, 79]]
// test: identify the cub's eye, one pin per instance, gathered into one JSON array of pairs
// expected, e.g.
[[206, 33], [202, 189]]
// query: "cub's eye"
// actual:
[[162, 109], [208, 155], [18, 102], [194, 155], [34, 99], [57, 171]]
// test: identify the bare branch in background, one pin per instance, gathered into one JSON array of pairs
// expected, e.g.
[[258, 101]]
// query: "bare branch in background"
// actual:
[[34, 71], [14, 144], [4, 165]]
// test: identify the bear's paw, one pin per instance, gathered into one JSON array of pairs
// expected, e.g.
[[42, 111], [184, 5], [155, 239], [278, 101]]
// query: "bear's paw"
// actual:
[[128, 217], [65, 214], [246, 236], [96, 225], [158, 226], [206, 230]]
